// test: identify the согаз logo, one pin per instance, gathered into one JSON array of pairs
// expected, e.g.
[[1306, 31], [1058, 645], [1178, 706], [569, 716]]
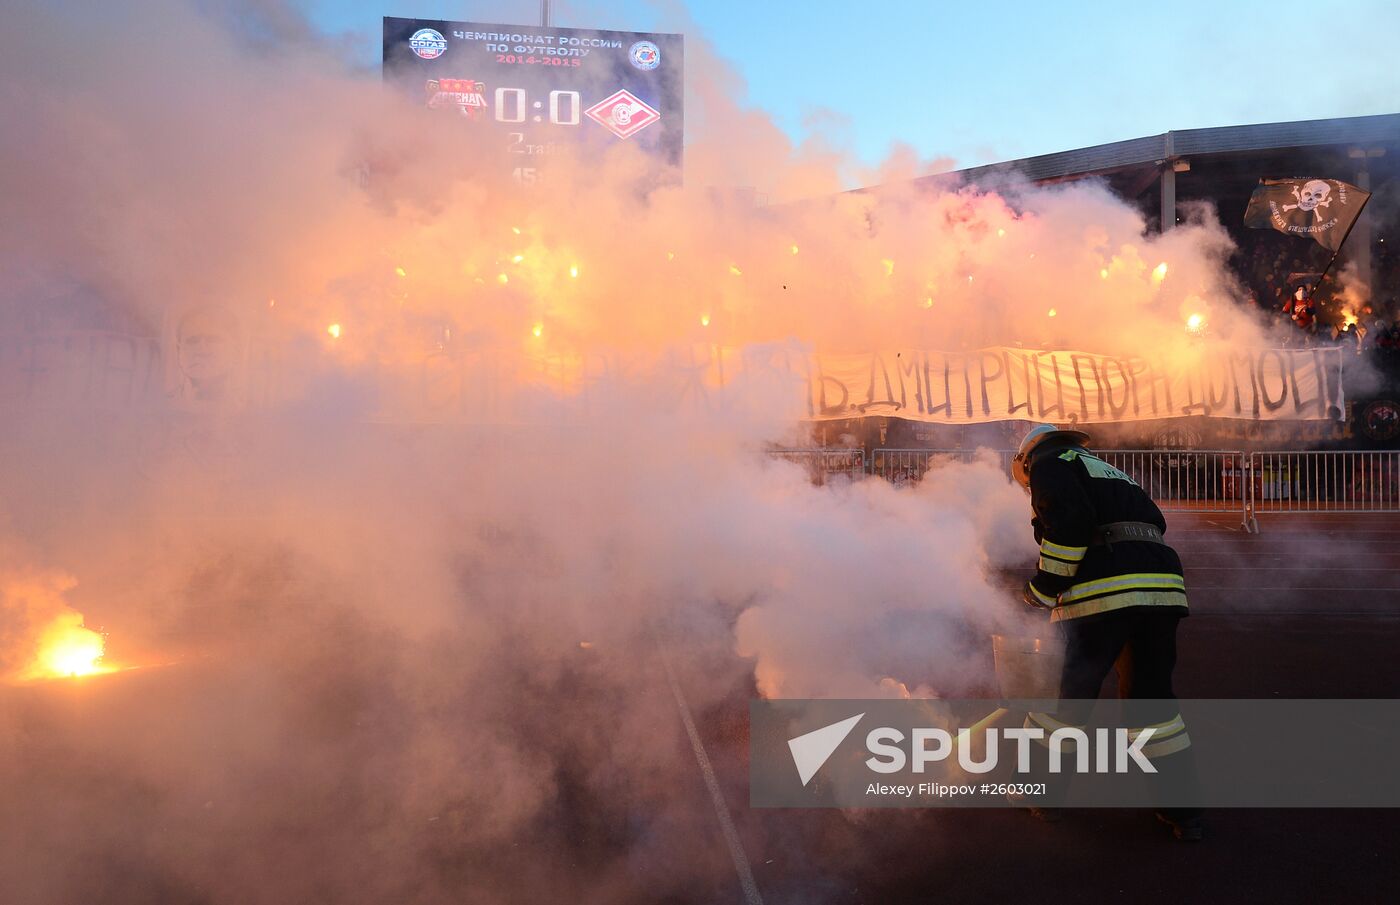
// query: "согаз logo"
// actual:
[[428, 43]]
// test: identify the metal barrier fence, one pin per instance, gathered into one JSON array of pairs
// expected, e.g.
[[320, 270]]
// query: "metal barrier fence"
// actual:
[[1179, 480], [823, 464], [1207, 480], [1326, 482], [908, 466]]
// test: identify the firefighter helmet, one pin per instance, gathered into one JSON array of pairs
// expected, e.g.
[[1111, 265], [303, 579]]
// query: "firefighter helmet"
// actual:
[[1036, 438]]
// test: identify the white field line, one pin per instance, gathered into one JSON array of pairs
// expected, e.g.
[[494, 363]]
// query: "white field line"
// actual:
[[707, 771]]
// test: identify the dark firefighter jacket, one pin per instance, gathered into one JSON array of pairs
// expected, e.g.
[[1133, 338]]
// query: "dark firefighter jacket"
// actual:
[[1074, 493]]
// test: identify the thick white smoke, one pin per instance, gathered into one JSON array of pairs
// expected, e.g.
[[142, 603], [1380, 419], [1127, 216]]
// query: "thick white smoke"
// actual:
[[404, 644]]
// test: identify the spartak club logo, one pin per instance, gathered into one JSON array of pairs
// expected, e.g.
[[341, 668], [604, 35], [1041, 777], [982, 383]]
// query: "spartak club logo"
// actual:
[[623, 114]]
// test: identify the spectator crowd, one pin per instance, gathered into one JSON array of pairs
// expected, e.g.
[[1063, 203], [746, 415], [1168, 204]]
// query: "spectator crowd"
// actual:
[[1284, 279]]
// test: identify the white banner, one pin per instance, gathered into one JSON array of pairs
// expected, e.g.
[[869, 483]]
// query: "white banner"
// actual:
[[114, 371], [1002, 383]]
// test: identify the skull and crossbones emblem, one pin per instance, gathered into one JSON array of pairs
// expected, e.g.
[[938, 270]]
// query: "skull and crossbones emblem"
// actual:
[[1311, 196]]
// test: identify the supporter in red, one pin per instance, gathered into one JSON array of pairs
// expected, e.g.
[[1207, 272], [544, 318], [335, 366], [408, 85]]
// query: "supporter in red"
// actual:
[[1303, 310]]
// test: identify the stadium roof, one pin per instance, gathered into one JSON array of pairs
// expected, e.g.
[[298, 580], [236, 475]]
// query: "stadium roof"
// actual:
[[1155, 150]]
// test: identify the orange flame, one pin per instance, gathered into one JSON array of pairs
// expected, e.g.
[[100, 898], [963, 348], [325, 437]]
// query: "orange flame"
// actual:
[[67, 648]]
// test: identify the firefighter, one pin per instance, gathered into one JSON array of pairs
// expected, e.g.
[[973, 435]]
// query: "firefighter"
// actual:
[[1110, 583]]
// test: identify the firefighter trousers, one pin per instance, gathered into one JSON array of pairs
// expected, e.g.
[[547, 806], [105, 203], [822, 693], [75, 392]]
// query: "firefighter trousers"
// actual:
[[1140, 642]]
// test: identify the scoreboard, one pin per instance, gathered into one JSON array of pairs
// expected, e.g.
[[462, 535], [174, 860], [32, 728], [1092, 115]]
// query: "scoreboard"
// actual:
[[544, 91]]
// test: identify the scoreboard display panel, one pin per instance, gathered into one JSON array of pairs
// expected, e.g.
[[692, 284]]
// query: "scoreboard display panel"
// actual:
[[544, 90]]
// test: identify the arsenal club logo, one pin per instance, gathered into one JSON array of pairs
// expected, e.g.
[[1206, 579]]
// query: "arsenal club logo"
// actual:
[[466, 95], [623, 114]]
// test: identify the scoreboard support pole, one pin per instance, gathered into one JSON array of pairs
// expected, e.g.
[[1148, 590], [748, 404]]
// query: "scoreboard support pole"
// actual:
[[544, 13]]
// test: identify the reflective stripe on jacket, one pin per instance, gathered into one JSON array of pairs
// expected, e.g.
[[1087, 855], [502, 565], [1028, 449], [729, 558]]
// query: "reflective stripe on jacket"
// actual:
[[1072, 493]]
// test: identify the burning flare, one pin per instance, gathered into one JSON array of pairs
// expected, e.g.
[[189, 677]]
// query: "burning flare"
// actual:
[[67, 648]]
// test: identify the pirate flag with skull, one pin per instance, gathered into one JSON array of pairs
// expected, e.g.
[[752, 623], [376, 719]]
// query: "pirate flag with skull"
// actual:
[[1321, 209]]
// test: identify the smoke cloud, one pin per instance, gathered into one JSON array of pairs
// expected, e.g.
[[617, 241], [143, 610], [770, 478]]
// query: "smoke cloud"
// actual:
[[364, 457]]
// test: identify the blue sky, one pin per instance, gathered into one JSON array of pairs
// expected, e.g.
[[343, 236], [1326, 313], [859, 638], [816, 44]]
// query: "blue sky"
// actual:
[[986, 81]]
